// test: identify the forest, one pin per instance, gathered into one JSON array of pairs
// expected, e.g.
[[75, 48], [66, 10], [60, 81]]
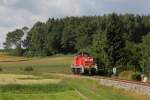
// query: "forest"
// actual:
[[115, 40]]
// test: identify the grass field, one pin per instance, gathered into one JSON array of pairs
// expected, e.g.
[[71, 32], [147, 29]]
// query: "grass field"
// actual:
[[49, 81], [53, 64]]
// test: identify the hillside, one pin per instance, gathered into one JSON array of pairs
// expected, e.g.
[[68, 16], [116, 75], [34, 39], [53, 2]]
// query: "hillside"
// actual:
[[114, 40]]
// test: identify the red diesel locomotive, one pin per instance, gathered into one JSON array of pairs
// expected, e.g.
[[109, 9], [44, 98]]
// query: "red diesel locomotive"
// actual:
[[83, 63]]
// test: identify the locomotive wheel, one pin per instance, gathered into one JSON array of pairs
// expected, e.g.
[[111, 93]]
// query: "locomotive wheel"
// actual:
[[73, 70], [76, 70], [86, 72], [93, 71]]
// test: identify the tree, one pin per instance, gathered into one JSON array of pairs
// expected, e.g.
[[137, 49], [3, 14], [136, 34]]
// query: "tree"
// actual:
[[85, 33], [14, 41], [53, 40], [134, 55], [115, 40], [145, 50], [74, 34], [35, 41], [68, 40], [98, 49]]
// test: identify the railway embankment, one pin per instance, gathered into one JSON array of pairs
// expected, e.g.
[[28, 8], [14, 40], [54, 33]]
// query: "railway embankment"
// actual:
[[137, 87]]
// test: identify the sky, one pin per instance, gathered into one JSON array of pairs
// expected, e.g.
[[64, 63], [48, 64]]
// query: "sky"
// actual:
[[19, 13]]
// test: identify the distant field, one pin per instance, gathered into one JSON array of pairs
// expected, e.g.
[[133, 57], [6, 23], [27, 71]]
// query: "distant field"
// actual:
[[55, 64], [49, 81]]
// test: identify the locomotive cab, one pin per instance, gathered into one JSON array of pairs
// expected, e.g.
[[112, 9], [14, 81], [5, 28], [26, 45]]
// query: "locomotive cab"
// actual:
[[83, 63]]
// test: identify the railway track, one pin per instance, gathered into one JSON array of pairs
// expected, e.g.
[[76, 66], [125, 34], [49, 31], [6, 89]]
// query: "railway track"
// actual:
[[123, 80], [135, 86], [114, 79]]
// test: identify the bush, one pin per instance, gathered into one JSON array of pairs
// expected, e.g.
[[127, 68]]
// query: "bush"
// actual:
[[136, 76], [28, 69], [121, 69], [105, 72], [102, 72], [130, 75]]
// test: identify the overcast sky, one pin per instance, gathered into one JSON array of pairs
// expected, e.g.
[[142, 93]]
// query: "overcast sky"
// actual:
[[18, 13]]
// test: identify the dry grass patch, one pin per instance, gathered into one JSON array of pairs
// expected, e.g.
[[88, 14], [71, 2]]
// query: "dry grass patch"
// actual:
[[6, 79], [7, 58]]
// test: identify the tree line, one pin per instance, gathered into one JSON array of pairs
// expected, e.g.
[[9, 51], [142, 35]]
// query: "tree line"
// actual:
[[114, 40]]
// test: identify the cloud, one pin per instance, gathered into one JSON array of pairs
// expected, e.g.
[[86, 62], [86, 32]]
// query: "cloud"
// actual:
[[19, 13]]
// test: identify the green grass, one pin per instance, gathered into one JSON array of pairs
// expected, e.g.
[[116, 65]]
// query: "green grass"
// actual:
[[29, 89], [69, 88], [68, 95], [93, 91]]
